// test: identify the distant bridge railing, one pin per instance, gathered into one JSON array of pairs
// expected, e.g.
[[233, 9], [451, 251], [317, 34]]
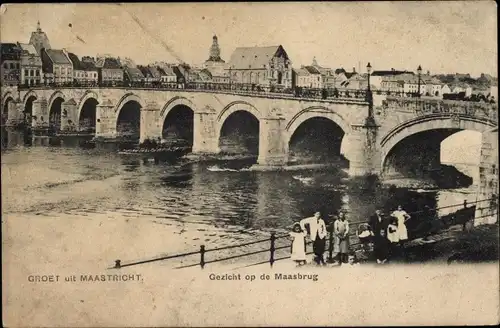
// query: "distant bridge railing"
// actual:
[[444, 222], [231, 88], [427, 106]]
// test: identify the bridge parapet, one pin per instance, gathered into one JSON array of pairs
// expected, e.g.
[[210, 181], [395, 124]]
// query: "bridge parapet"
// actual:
[[427, 106]]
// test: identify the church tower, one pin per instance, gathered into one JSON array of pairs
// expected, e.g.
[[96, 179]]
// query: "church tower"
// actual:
[[214, 55], [39, 39]]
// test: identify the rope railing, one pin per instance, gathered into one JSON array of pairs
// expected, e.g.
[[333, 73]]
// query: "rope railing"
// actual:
[[272, 249]]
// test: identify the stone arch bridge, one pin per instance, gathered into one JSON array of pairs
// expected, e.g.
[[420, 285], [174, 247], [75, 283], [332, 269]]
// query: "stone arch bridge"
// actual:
[[389, 135]]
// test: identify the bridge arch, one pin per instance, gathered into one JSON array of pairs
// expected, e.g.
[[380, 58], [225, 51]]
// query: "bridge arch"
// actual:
[[87, 111], [316, 134], [316, 111], [128, 115], [176, 101], [424, 135], [54, 96], [30, 94], [55, 109], [7, 98], [238, 128], [177, 121]]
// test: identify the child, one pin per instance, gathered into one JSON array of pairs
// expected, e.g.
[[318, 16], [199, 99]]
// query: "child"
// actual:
[[298, 244], [393, 236], [352, 261]]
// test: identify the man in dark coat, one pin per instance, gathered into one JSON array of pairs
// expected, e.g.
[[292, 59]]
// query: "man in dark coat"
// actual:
[[378, 222]]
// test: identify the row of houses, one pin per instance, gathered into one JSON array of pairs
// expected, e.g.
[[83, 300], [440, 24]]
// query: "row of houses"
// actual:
[[36, 62], [407, 82]]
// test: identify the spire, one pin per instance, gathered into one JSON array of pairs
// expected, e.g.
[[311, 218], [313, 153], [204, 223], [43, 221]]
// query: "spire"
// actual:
[[214, 53], [38, 28], [315, 63]]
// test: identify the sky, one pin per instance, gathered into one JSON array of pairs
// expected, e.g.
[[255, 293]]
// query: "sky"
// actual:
[[443, 37]]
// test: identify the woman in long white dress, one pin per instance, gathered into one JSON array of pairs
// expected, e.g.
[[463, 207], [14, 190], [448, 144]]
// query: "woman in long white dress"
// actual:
[[298, 244], [402, 217]]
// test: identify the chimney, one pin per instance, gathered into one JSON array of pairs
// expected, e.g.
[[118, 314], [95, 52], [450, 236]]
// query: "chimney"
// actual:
[[354, 69], [428, 72], [392, 69]]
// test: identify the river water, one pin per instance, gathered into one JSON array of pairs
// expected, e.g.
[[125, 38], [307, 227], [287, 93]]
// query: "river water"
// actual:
[[64, 178]]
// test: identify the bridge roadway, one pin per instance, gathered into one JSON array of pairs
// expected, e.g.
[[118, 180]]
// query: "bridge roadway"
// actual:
[[387, 135]]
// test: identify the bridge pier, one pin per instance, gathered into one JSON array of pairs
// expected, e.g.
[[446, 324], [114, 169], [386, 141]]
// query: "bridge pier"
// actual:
[[273, 149], [69, 116], [40, 114], [105, 120], [487, 211], [204, 132], [363, 152], [150, 126], [15, 113]]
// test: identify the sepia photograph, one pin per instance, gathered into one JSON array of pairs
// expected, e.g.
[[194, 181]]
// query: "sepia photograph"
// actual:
[[249, 164]]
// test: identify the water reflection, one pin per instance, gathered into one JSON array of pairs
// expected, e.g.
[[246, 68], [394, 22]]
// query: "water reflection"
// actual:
[[66, 175]]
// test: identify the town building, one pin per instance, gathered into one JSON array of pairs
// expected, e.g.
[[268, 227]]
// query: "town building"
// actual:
[[327, 75], [214, 60], [391, 83], [267, 66], [78, 72], [411, 85], [91, 72], [11, 64], [462, 87], [433, 86], [358, 81], [445, 89], [57, 66], [39, 40], [31, 65], [167, 74], [109, 70], [376, 77], [215, 65], [133, 75], [340, 77], [150, 73], [309, 77]]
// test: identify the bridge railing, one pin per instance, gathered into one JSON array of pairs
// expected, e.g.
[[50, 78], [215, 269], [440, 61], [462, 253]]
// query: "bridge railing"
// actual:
[[428, 106], [277, 242], [232, 88]]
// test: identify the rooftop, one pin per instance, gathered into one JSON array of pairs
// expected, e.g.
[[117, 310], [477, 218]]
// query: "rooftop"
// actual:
[[10, 51], [28, 48], [253, 57], [76, 62], [134, 73], [58, 56]]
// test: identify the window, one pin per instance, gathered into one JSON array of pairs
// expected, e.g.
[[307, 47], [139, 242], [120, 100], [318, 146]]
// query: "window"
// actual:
[[17, 66], [5, 65], [32, 73], [26, 72], [12, 66], [37, 73]]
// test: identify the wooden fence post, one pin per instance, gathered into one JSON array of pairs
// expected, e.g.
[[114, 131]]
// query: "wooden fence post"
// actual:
[[202, 256], [272, 248]]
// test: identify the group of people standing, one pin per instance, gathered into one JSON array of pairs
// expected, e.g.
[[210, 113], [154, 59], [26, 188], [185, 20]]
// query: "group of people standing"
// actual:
[[315, 227], [386, 235]]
